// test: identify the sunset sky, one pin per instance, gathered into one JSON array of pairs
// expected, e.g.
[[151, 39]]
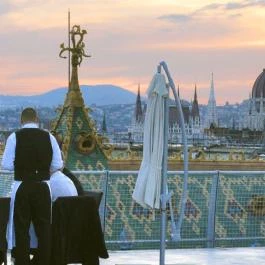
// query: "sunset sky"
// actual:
[[128, 38]]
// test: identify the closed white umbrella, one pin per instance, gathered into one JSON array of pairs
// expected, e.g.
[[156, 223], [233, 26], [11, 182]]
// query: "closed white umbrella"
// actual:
[[147, 190], [151, 184]]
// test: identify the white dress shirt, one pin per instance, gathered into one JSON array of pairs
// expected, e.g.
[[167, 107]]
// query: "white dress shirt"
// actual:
[[61, 186], [10, 149]]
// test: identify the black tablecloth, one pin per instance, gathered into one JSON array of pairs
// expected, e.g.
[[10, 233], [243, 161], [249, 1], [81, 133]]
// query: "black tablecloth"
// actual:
[[4, 216], [76, 231]]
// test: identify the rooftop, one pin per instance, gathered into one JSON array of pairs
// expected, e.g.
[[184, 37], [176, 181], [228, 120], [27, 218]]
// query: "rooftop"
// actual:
[[217, 256]]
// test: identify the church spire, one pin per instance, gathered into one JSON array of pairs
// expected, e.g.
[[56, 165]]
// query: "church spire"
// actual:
[[211, 118], [104, 124], [195, 93], [212, 97], [195, 106], [138, 107]]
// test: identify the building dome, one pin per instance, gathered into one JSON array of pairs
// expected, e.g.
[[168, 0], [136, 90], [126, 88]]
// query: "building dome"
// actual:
[[258, 89]]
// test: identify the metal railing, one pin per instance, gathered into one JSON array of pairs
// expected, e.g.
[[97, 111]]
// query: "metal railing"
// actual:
[[224, 208]]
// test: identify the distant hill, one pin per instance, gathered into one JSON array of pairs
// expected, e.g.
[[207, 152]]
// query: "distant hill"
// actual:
[[98, 94]]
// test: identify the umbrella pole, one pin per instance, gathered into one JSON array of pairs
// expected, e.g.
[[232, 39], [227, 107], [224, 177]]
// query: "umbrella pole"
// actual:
[[177, 236], [163, 223]]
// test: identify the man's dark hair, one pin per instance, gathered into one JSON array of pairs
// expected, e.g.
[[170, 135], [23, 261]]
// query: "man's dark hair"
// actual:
[[29, 115]]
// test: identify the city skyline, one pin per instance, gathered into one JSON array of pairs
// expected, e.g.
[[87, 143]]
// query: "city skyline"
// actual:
[[127, 39]]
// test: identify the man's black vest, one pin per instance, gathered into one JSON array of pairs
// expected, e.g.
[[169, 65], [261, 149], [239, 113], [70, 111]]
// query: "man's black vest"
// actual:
[[33, 155]]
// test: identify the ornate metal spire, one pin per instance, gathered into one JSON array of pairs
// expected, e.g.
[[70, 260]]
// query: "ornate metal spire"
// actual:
[[82, 147], [74, 97]]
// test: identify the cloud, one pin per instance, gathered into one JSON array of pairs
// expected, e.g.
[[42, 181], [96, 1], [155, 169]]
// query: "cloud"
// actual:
[[198, 13], [209, 7], [234, 16], [176, 17], [8, 6], [234, 5], [246, 4], [5, 7]]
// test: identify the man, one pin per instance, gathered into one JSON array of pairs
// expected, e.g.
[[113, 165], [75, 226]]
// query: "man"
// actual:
[[32, 153]]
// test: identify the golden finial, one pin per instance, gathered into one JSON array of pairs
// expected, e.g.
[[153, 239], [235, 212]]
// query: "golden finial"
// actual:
[[77, 49]]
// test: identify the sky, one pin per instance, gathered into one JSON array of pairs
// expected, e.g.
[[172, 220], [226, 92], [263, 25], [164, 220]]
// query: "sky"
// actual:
[[128, 38]]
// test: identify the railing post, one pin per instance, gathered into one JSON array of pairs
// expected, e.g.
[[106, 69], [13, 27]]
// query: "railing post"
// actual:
[[104, 200], [212, 211], [163, 192]]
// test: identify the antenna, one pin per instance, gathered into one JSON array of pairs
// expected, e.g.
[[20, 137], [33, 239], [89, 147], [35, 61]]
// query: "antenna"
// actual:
[[69, 54]]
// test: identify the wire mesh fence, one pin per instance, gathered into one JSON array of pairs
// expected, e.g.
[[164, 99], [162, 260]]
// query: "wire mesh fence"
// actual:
[[6, 180], [240, 209], [223, 209]]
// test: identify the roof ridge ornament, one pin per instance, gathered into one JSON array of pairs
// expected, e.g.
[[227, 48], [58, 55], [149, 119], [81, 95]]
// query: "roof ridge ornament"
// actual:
[[77, 51], [78, 46]]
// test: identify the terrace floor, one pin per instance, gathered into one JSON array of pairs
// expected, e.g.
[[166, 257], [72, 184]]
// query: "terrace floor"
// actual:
[[215, 256]]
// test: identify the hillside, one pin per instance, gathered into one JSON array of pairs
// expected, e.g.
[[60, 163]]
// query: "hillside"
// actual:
[[99, 94]]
